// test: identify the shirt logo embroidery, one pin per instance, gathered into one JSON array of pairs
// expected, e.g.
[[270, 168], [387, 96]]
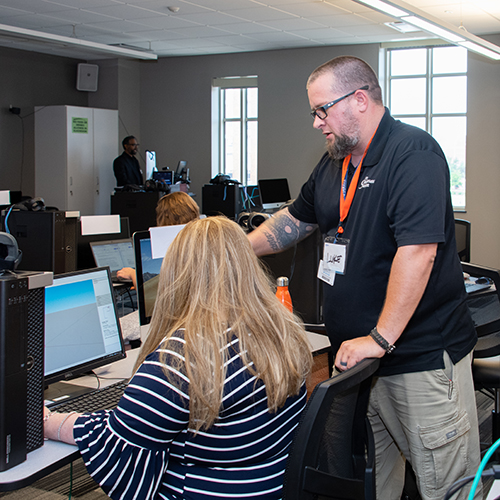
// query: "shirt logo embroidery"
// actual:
[[365, 183]]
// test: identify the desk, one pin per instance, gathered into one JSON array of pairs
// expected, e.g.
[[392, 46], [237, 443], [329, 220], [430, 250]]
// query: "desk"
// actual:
[[53, 454]]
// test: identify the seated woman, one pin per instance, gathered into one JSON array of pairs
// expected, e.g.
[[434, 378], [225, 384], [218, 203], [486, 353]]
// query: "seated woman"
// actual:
[[172, 209], [219, 384]]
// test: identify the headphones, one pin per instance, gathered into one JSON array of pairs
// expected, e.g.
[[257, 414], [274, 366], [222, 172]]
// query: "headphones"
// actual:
[[256, 219], [157, 185], [33, 204], [10, 255]]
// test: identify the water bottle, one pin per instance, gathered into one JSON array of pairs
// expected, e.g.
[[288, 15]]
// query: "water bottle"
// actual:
[[282, 292]]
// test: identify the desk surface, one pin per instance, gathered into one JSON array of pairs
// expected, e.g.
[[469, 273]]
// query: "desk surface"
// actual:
[[53, 455]]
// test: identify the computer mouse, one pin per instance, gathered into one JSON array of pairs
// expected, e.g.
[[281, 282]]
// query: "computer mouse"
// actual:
[[482, 281]]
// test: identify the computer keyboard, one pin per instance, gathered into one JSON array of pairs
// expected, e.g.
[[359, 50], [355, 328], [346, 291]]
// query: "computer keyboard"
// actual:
[[106, 398]]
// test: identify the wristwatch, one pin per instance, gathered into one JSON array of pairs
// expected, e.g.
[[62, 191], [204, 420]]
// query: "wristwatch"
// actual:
[[388, 348]]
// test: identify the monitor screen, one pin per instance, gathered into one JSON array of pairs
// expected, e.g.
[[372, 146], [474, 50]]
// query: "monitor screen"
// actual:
[[150, 164], [148, 275], [273, 192], [82, 331], [166, 176]]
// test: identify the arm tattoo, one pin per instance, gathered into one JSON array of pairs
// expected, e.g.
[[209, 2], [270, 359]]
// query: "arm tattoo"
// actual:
[[283, 231]]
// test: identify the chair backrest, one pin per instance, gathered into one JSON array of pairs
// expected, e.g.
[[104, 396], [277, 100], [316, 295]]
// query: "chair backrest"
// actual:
[[484, 305], [462, 237], [332, 453]]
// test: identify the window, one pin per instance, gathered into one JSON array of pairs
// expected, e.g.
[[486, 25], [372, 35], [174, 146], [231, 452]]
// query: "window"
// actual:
[[234, 128], [427, 87]]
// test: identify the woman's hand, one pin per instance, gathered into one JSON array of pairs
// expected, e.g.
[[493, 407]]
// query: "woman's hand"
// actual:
[[59, 426]]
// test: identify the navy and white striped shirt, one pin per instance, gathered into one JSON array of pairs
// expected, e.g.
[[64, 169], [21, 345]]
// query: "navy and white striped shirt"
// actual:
[[145, 450]]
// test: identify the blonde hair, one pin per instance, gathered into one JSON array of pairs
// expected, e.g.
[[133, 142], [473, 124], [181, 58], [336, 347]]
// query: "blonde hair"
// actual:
[[176, 208], [211, 280]]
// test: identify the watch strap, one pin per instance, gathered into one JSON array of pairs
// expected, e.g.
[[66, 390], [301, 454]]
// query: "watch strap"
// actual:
[[375, 335]]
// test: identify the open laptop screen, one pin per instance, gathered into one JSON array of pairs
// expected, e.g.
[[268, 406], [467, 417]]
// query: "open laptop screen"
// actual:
[[116, 254], [82, 331], [273, 193]]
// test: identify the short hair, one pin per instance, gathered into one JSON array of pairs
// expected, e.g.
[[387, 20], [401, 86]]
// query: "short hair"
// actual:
[[349, 73], [176, 208], [213, 286], [127, 140]]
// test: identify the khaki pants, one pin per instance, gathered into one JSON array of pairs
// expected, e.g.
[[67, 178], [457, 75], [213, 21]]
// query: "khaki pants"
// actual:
[[429, 418]]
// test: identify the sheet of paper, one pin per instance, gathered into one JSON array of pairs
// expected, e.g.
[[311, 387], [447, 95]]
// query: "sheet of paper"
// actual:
[[4, 197], [100, 224], [161, 237]]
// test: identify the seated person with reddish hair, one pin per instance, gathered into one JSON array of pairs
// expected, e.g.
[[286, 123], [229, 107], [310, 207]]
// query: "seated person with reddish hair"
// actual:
[[172, 209]]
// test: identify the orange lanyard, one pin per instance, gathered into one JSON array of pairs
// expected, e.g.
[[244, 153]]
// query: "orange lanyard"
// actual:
[[346, 201]]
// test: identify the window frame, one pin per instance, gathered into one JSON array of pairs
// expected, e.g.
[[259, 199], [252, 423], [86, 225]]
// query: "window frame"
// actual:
[[220, 120], [429, 114]]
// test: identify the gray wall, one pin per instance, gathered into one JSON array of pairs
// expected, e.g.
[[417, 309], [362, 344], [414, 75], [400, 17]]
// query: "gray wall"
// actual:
[[483, 166], [176, 109], [29, 80], [167, 105]]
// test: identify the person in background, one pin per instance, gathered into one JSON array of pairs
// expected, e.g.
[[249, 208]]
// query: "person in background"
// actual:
[[172, 209], [219, 385], [393, 285], [126, 167]]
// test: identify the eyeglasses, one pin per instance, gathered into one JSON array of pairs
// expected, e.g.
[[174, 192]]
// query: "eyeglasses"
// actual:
[[321, 111]]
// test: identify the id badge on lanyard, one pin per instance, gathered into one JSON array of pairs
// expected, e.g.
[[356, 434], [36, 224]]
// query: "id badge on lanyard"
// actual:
[[335, 247], [334, 259]]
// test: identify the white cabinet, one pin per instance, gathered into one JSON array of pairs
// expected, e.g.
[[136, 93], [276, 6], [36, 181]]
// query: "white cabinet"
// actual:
[[74, 152]]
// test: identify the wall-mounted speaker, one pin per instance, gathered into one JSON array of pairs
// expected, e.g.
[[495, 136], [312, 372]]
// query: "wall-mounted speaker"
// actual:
[[86, 78]]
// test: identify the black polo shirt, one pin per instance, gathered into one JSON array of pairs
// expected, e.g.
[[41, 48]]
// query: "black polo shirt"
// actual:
[[403, 198]]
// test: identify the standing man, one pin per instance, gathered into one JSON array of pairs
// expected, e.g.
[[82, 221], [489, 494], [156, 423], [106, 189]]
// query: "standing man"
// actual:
[[126, 167], [393, 282]]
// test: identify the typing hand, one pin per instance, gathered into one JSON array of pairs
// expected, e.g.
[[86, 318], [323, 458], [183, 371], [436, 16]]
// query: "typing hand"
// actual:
[[127, 274]]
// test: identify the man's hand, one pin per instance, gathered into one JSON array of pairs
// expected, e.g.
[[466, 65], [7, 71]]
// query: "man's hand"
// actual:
[[351, 352]]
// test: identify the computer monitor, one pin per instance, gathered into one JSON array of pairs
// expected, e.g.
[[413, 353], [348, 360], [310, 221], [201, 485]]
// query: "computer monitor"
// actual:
[[181, 171], [85, 259], [82, 330], [273, 193], [165, 176], [150, 164], [147, 271]]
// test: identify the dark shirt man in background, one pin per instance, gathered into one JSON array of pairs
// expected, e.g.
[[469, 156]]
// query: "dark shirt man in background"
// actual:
[[393, 282], [126, 167]]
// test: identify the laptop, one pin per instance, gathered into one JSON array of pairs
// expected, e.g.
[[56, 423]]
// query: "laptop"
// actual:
[[115, 254], [273, 193]]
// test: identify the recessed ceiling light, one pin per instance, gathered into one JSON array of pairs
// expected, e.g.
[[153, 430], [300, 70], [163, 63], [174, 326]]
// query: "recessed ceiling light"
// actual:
[[403, 27]]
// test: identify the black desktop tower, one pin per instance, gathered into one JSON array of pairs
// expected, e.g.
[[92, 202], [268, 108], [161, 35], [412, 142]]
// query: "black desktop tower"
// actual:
[[22, 307], [41, 237], [220, 199], [300, 264]]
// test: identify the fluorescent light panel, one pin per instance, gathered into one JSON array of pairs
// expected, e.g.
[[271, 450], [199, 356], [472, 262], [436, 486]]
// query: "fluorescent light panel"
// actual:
[[432, 28], [83, 44], [416, 17]]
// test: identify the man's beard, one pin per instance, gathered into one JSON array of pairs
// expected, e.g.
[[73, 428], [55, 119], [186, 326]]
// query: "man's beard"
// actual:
[[342, 146]]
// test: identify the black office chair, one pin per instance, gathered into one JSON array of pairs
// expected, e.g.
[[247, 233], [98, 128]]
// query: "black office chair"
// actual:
[[485, 309], [462, 237], [333, 453]]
